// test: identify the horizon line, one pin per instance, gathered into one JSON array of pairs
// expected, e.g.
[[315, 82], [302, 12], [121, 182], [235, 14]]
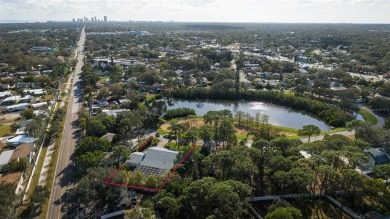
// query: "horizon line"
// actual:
[[172, 21]]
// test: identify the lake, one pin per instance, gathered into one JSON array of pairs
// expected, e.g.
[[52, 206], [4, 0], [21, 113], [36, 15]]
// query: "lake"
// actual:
[[278, 115]]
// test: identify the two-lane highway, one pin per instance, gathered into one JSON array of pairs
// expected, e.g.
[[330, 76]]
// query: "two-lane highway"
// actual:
[[63, 179]]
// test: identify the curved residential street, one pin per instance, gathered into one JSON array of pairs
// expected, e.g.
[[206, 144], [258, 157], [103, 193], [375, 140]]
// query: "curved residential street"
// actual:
[[63, 179]]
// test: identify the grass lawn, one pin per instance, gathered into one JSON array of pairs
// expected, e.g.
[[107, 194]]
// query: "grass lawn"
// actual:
[[5, 129], [243, 130], [368, 117], [150, 97]]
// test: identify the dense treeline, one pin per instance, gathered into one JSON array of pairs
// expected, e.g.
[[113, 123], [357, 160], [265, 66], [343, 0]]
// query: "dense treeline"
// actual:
[[179, 112], [381, 105], [332, 115]]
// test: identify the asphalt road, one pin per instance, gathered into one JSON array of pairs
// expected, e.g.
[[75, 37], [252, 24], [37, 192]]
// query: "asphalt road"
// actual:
[[63, 179]]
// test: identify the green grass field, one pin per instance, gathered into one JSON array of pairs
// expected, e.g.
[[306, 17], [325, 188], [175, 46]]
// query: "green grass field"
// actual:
[[368, 117], [4, 129]]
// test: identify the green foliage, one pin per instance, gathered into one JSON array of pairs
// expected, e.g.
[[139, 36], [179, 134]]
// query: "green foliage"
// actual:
[[14, 127], [309, 130], [387, 123], [91, 191], [27, 113], [90, 159], [17, 165], [284, 213], [179, 112], [121, 152], [37, 199], [380, 104], [90, 144], [7, 198], [368, 117], [96, 128]]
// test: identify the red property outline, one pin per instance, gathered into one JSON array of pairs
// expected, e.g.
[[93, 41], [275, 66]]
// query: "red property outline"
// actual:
[[141, 188]]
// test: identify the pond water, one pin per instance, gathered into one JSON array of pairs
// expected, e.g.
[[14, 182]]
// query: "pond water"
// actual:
[[278, 115]]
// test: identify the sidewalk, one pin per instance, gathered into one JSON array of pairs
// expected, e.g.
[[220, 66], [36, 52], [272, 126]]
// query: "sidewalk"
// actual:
[[46, 165]]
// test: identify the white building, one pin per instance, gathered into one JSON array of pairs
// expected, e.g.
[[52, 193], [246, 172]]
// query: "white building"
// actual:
[[34, 92], [10, 100], [36, 106], [114, 112], [16, 107], [5, 94]]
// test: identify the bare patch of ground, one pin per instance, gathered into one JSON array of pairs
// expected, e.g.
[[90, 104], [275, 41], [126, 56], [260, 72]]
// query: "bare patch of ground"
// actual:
[[10, 118]]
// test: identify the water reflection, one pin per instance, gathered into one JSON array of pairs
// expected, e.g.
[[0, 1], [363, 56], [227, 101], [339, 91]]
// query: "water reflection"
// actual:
[[279, 115]]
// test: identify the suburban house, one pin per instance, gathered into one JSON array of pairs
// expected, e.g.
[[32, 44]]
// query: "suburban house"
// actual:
[[155, 160], [376, 156], [5, 94], [5, 158], [26, 99], [34, 92], [36, 106], [24, 85], [23, 151], [10, 100], [16, 107], [47, 72], [20, 139], [114, 112], [108, 136]]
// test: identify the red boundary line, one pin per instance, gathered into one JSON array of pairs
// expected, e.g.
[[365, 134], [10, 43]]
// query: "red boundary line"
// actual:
[[141, 188], [150, 139]]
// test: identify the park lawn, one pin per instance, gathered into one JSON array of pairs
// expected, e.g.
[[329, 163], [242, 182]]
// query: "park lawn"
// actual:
[[242, 131], [5, 129], [340, 129], [162, 131], [368, 117], [172, 145], [150, 97]]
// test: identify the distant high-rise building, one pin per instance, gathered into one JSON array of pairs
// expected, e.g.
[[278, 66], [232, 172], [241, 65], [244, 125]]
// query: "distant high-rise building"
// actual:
[[74, 20], [92, 19], [105, 18], [95, 19]]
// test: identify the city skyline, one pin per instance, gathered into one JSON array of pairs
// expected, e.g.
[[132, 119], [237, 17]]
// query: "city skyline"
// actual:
[[283, 11]]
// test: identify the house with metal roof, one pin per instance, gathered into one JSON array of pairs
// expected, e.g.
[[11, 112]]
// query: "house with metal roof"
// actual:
[[5, 158], [16, 107], [377, 155], [10, 100], [154, 161], [20, 139]]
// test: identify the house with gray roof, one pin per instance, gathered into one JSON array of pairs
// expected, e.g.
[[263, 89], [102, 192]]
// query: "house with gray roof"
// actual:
[[154, 161], [5, 158], [376, 156], [20, 139]]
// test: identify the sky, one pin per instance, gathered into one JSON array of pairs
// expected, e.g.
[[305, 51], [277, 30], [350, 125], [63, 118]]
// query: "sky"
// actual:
[[262, 11]]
